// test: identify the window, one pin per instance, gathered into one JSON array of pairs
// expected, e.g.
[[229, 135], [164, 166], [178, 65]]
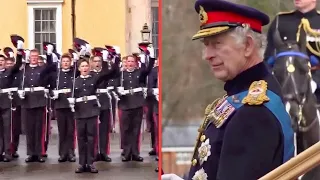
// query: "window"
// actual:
[[155, 29], [44, 27], [44, 23]]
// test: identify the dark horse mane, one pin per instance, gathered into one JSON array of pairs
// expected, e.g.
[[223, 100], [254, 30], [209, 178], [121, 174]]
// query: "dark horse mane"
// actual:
[[291, 67]]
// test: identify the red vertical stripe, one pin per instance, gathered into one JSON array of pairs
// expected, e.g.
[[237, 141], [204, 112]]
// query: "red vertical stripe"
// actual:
[[96, 138], [108, 137], [121, 134], [75, 135], [43, 134]]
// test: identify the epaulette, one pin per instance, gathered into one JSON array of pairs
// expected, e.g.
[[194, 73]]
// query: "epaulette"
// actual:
[[257, 93], [287, 12]]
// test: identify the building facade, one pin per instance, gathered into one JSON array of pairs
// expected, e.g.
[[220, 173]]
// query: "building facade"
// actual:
[[100, 22]]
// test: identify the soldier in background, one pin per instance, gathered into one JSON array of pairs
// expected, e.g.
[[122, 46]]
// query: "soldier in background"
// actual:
[[6, 106], [34, 101], [63, 86], [16, 109], [131, 104], [104, 97]]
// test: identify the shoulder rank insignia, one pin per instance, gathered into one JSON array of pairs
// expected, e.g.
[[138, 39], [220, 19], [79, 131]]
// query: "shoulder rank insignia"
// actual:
[[287, 12], [257, 94]]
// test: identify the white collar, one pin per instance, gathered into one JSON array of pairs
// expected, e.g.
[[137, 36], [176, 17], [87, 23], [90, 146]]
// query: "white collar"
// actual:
[[85, 76], [129, 70], [65, 70], [95, 70], [33, 65], [1, 70]]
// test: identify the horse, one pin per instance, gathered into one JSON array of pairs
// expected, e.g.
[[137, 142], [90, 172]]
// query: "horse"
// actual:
[[291, 66]]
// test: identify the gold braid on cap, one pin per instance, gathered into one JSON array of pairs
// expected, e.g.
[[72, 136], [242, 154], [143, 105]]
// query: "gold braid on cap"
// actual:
[[311, 32]]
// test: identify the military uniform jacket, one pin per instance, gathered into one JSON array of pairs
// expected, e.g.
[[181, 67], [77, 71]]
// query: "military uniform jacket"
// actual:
[[103, 97], [153, 83], [36, 77], [64, 86], [87, 86], [132, 80], [6, 82], [249, 142], [288, 27]]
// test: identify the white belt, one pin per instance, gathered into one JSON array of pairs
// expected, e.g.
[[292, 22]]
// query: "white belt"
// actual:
[[86, 98], [35, 89], [62, 91], [131, 91], [105, 90], [5, 90]]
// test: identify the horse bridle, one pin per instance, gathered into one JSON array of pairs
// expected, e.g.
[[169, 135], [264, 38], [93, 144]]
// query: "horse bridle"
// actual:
[[297, 98]]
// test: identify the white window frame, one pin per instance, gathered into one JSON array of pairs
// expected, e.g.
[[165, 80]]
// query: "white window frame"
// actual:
[[155, 5], [53, 4]]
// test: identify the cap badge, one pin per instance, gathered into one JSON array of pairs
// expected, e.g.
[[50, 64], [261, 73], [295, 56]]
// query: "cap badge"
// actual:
[[203, 16]]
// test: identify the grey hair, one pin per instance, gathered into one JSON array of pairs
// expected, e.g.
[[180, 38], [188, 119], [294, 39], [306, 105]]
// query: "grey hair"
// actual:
[[239, 33]]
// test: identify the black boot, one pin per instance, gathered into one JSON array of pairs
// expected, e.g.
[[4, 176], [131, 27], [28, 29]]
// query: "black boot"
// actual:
[[81, 169]]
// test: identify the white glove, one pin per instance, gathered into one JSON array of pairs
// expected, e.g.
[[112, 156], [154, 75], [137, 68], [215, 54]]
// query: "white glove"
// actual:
[[49, 49], [151, 51], [105, 54], [54, 58], [21, 94], [19, 44], [75, 57], [27, 55], [155, 91], [88, 48], [170, 177], [55, 94], [71, 100], [11, 54], [142, 58], [83, 50], [313, 86], [121, 90], [117, 49]]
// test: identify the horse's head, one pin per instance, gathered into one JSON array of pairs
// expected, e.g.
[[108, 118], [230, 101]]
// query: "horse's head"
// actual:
[[291, 67]]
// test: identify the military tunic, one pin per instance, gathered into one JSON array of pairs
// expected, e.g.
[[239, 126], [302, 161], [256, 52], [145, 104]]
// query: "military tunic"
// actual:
[[250, 142], [87, 110], [6, 96], [131, 107]]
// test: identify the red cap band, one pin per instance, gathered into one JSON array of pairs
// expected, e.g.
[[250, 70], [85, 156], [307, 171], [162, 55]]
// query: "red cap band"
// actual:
[[219, 16]]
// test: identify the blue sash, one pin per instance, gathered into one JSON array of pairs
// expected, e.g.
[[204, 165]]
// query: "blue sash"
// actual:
[[276, 106]]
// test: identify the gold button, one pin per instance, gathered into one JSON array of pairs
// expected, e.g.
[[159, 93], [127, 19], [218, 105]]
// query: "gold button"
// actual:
[[202, 138], [194, 162]]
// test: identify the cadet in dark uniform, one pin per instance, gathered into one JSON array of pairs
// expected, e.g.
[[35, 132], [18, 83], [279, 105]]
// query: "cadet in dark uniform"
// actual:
[[34, 100], [87, 110], [246, 133], [6, 105], [16, 109], [63, 86], [153, 108], [288, 24], [131, 104], [104, 97]]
